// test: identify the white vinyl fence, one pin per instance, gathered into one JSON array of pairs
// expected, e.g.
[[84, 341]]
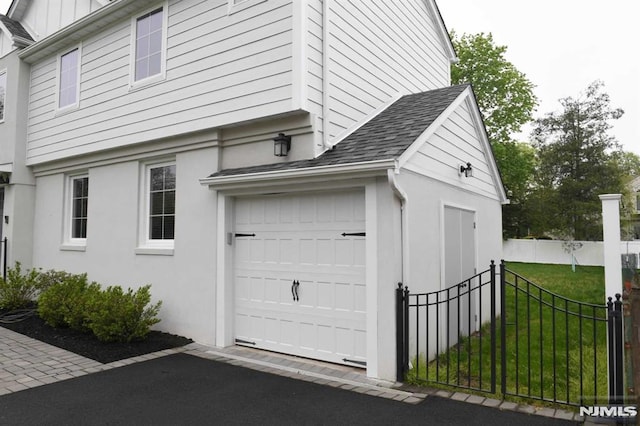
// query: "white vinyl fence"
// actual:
[[588, 253]]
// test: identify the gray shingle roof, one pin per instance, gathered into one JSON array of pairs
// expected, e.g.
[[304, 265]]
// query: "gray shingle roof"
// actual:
[[15, 28], [384, 137]]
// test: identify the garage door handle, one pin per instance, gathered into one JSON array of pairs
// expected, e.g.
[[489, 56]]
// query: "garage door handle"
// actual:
[[294, 290]]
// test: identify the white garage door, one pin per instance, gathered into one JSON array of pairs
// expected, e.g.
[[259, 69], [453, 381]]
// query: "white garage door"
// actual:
[[300, 275]]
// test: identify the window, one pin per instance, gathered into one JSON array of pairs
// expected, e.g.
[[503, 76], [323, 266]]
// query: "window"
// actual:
[[162, 202], [69, 78], [3, 89], [149, 45], [77, 210], [79, 205]]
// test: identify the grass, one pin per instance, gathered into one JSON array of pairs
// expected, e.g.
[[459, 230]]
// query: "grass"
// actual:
[[550, 353]]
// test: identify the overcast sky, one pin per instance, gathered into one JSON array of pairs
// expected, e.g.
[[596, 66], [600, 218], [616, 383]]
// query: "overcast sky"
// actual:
[[562, 46]]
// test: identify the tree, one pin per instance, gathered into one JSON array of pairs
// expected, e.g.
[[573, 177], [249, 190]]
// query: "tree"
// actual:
[[504, 94], [506, 101], [518, 160], [578, 160]]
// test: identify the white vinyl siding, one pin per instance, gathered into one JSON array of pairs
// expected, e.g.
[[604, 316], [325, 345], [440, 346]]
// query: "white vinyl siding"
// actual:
[[315, 57], [454, 143], [69, 79], [379, 49], [220, 69], [44, 17]]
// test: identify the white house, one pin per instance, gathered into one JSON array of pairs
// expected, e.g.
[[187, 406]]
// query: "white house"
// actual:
[[147, 135]]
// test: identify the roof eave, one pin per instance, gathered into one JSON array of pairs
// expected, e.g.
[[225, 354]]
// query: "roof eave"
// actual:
[[79, 29], [21, 41], [442, 29], [304, 175]]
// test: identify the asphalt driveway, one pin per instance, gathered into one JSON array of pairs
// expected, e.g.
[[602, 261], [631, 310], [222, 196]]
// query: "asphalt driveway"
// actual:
[[183, 389]]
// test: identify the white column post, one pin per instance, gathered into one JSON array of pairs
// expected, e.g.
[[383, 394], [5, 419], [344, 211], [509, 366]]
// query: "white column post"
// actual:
[[611, 231]]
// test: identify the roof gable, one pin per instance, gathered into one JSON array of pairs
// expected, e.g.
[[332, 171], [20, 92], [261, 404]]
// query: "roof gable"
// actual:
[[15, 31], [455, 139], [385, 137]]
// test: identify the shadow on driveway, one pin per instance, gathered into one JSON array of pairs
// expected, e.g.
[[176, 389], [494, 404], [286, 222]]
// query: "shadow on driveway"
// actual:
[[187, 390]]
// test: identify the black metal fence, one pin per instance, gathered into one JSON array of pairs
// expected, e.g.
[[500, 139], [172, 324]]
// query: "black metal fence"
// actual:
[[499, 333]]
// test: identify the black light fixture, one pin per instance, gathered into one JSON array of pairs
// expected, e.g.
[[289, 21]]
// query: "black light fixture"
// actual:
[[281, 145], [466, 170]]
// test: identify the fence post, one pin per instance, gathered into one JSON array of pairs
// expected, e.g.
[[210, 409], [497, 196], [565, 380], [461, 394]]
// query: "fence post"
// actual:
[[503, 330], [4, 258], [616, 348], [400, 334], [493, 326]]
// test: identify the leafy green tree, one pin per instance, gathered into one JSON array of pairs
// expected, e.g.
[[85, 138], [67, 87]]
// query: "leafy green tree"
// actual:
[[577, 162], [506, 100], [518, 160], [504, 94]]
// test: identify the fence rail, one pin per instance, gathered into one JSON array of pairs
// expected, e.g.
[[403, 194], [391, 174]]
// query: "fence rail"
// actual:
[[499, 333]]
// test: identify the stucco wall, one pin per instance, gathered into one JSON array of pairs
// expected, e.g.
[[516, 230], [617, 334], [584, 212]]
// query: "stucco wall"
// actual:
[[184, 281]]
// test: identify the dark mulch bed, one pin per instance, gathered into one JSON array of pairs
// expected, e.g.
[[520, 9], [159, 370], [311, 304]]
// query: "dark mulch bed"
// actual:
[[87, 345]]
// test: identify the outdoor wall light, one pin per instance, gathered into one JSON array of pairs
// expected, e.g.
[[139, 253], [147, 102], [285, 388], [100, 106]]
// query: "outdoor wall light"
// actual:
[[466, 170], [281, 145]]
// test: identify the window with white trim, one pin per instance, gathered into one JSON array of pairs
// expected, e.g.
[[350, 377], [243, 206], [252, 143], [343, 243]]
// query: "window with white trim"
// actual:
[[69, 79], [149, 45], [78, 207], [3, 91], [161, 212]]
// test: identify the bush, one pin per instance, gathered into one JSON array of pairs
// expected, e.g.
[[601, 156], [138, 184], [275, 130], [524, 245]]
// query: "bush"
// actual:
[[51, 277], [116, 316], [18, 290], [65, 303]]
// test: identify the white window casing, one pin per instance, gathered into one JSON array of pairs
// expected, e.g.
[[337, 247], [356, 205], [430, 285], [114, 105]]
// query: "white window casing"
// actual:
[[76, 218], [148, 46], [157, 207], [68, 79]]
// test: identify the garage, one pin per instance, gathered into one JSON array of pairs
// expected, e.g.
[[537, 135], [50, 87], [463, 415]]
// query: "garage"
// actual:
[[299, 275]]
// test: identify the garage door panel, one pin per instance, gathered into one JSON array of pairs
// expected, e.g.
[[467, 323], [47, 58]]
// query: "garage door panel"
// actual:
[[299, 238]]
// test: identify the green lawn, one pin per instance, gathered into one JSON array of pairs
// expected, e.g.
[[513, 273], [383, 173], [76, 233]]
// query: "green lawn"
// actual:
[[545, 339]]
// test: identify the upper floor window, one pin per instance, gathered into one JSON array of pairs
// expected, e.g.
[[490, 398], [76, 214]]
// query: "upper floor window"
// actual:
[[149, 44], [69, 79], [3, 90]]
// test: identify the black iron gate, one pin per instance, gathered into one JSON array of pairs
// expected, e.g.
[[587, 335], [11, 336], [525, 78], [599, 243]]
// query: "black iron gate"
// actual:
[[499, 333]]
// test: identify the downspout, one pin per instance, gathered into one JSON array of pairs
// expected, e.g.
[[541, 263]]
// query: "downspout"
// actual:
[[404, 234], [325, 76]]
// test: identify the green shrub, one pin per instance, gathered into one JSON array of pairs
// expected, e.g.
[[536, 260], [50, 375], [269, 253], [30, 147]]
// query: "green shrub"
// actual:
[[116, 316], [19, 290], [51, 277], [65, 303]]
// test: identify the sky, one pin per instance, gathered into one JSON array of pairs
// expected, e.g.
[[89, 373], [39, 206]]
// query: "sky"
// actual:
[[562, 46]]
